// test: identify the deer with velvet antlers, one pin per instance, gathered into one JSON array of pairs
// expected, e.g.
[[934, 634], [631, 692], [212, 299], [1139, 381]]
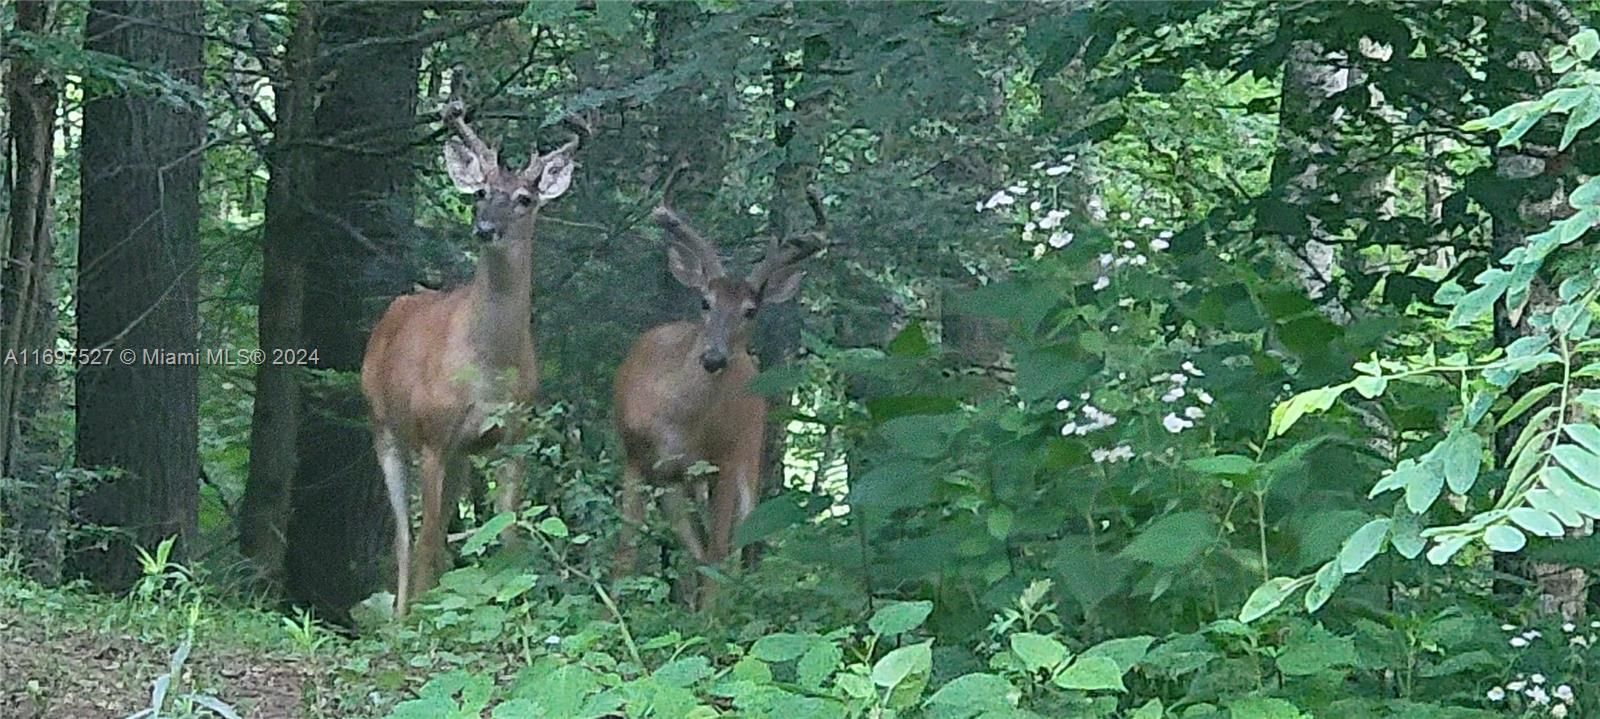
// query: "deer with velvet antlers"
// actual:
[[449, 374], [682, 394]]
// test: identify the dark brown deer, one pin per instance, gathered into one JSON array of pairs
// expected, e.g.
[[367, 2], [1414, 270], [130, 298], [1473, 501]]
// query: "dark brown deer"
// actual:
[[451, 374], [682, 395]]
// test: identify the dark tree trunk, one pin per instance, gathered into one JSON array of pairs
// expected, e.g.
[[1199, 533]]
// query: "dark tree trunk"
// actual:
[[27, 299], [137, 248], [359, 198], [264, 513]]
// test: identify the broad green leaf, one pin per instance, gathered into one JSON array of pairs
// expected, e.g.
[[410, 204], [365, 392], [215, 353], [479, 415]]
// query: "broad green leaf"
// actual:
[[1585, 43], [1267, 597], [899, 617], [1089, 674], [1446, 548], [1463, 455], [1125, 651], [1578, 119], [483, 535], [1536, 522], [1581, 463], [1402, 476], [781, 647], [1222, 464], [1406, 534], [1370, 387], [1152, 709], [553, 527], [1363, 545], [1476, 304], [1288, 412], [1586, 435], [1313, 650], [1525, 402], [1505, 538], [901, 663], [976, 692], [1584, 499], [1174, 540], [683, 672], [1547, 501], [818, 663], [1263, 708], [1423, 489], [1326, 582], [1038, 651]]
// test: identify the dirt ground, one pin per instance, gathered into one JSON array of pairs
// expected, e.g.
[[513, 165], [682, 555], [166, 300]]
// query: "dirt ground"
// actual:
[[71, 673]]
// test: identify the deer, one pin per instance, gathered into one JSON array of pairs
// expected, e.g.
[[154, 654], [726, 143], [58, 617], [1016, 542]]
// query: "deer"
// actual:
[[682, 395], [445, 373]]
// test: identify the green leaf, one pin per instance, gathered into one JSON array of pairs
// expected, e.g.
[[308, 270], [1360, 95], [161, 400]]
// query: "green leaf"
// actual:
[[1476, 304], [1463, 455], [1038, 651], [553, 527], [1406, 534], [1446, 548], [1402, 475], [1525, 402], [1092, 674], [483, 535], [1370, 387], [1583, 464], [1505, 538], [1423, 489], [1585, 43], [781, 647], [1174, 540], [1313, 650], [1545, 500], [899, 617], [683, 672], [1323, 586], [901, 663], [818, 663], [1288, 412], [1537, 522], [1584, 499], [1267, 597], [911, 342], [1152, 709], [1580, 118], [1222, 464], [1125, 651], [1587, 435], [1363, 545], [971, 694], [1263, 708]]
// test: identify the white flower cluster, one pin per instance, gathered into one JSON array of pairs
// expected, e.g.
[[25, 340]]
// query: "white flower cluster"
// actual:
[[1535, 688], [1093, 418], [1119, 453], [1178, 388]]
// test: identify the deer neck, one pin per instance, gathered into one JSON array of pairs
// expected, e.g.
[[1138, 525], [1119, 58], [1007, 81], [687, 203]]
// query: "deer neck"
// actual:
[[503, 299]]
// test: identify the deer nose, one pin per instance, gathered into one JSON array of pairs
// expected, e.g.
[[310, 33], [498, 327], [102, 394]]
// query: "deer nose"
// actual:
[[485, 230], [713, 361]]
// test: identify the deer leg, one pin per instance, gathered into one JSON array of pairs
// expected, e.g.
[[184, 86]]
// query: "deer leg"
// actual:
[[681, 511], [430, 540], [631, 498], [393, 461], [508, 494]]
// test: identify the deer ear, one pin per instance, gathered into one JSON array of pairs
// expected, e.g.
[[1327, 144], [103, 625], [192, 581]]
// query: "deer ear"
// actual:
[[782, 286], [555, 176], [465, 168], [686, 267]]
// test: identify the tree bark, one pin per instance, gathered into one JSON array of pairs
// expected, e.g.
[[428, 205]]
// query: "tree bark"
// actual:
[[27, 300], [264, 511], [138, 248], [359, 196]]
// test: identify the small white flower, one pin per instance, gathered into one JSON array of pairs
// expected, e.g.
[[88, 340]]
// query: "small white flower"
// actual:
[[1146, 222], [1062, 405], [1126, 216], [1106, 259], [1165, 235], [1084, 396], [1034, 206], [1496, 694], [1538, 696], [1057, 171], [1138, 260], [1101, 283], [1068, 429], [1020, 188], [1120, 262], [1173, 395], [1191, 369], [1121, 375], [1128, 244], [1568, 627], [1594, 624], [1516, 686], [1519, 642], [1508, 627], [552, 640], [1159, 245], [1175, 424], [1061, 239], [1564, 692], [1178, 379], [1579, 641], [1531, 634], [1116, 328], [1194, 413], [1036, 165], [1029, 227], [1559, 711], [999, 199], [1203, 396], [1537, 678]]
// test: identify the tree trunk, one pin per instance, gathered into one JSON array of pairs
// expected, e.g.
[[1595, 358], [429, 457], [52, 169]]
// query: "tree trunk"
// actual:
[[359, 197], [138, 248], [264, 512], [27, 302]]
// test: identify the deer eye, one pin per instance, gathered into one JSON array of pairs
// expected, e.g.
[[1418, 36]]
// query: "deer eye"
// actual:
[[705, 304], [525, 200], [749, 312], [480, 193]]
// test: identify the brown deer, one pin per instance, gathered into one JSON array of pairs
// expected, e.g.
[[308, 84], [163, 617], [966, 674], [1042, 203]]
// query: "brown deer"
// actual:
[[682, 395], [448, 374]]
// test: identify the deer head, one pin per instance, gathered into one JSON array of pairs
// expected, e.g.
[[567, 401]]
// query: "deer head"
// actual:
[[507, 200], [729, 304]]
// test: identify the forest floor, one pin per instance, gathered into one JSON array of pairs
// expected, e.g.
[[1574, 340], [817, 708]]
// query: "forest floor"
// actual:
[[70, 655]]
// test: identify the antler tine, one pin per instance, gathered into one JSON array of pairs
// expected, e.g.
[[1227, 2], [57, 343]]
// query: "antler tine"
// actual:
[[783, 252], [582, 126], [454, 115], [681, 231]]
